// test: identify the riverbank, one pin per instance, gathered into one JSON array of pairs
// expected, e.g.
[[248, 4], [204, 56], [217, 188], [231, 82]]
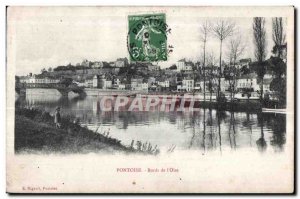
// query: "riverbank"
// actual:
[[35, 132], [244, 106]]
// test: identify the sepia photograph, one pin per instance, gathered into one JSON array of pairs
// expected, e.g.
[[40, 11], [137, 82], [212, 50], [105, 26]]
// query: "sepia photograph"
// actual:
[[150, 99]]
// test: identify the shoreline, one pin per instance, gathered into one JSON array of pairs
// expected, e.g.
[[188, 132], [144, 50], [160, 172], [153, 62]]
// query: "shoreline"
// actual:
[[35, 132]]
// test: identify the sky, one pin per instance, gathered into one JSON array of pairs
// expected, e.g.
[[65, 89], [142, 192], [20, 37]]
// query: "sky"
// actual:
[[46, 37]]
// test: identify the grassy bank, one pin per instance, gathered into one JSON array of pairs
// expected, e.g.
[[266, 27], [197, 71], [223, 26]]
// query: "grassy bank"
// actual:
[[35, 132]]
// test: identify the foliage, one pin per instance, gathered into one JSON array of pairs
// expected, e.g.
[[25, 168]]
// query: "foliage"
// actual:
[[260, 68], [66, 81], [173, 67], [279, 86], [277, 65], [106, 65], [245, 70], [64, 68], [43, 71], [259, 33], [221, 98], [278, 36]]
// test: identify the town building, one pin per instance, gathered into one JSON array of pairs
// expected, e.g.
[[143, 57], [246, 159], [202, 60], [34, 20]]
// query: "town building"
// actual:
[[89, 83], [225, 85], [164, 83], [183, 65], [121, 62], [99, 81], [199, 86], [39, 80], [180, 64], [153, 67], [96, 81], [187, 68], [187, 85], [86, 63], [244, 63], [135, 82], [121, 87], [247, 82], [151, 81], [97, 64]]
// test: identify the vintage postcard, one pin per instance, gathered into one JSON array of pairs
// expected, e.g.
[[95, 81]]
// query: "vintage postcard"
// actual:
[[150, 99]]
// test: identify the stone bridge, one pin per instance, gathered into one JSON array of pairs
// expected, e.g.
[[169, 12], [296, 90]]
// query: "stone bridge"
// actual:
[[62, 88]]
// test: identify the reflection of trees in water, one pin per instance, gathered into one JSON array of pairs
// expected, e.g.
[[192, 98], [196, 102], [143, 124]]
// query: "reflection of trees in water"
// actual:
[[248, 123], [232, 131], [194, 123], [221, 115], [238, 127], [261, 142], [206, 134], [51, 104], [276, 122], [211, 134], [205, 130]]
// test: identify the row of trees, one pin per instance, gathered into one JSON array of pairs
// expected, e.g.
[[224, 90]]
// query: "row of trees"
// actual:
[[224, 29]]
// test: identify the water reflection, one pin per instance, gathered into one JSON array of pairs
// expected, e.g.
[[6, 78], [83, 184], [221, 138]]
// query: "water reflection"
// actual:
[[204, 130]]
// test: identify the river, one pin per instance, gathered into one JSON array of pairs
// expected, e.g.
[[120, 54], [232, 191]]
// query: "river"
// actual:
[[203, 130]]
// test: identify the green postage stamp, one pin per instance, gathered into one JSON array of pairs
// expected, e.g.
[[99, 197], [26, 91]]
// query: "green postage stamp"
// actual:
[[147, 38]]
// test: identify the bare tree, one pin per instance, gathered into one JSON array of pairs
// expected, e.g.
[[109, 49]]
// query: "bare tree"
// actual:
[[211, 61], [204, 30], [236, 49], [278, 35], [259, 33], [222, 30]]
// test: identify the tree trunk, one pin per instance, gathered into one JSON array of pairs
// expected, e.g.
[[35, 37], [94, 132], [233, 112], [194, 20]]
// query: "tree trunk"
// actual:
[[220, 70], [261, 89], [204, 129], [204, 69]]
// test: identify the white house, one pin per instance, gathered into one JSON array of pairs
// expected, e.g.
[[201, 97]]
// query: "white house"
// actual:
[[86, 63], [97, 64], [180, 64], [121, 86], [200, 85], [99, 82], [39, 80], [247, 81], [107, 84], [266, 85], [121, 62], [187, 68], [224, 86], [89, 83], [164, 84], [187, 85]]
